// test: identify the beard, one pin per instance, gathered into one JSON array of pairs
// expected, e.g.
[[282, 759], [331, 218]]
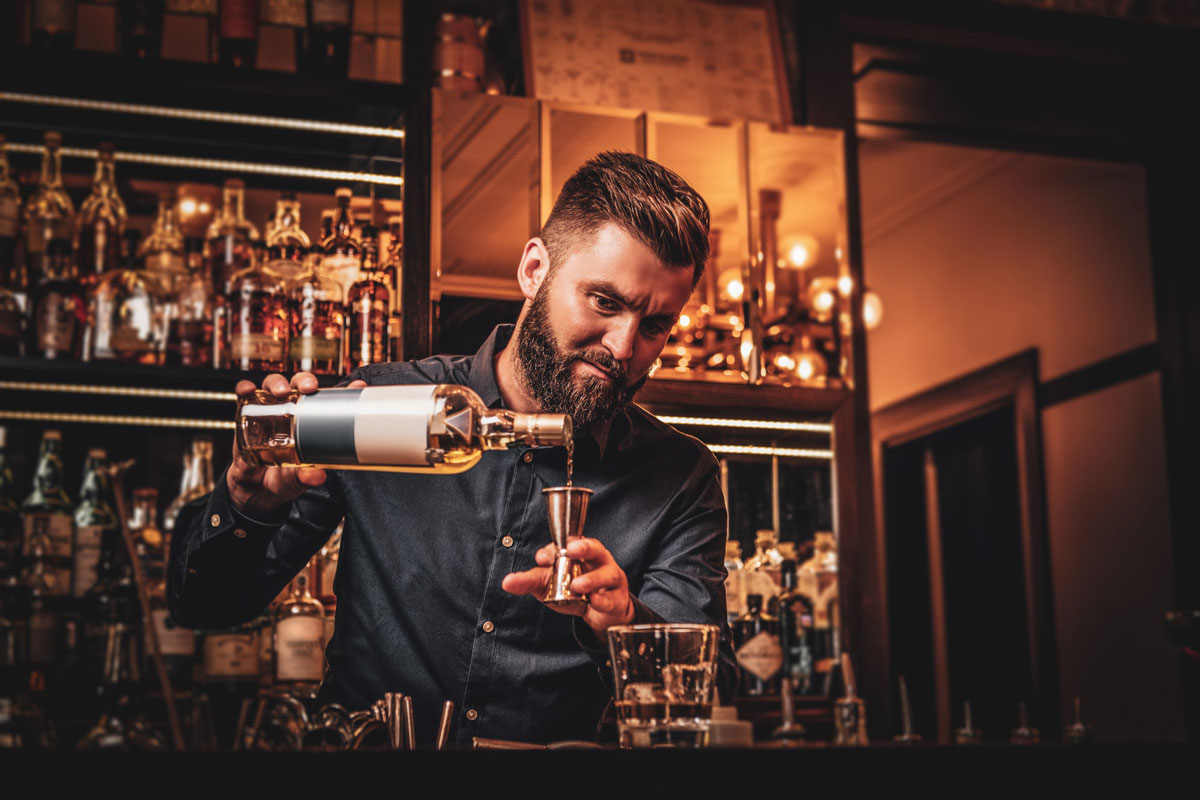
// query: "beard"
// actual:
[[548, 373]]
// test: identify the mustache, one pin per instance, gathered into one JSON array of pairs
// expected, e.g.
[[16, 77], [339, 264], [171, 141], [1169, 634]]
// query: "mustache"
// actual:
[[604, 360]]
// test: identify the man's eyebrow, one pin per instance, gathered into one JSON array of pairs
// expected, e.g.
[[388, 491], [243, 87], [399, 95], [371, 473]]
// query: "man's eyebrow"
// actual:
[[606, 288]]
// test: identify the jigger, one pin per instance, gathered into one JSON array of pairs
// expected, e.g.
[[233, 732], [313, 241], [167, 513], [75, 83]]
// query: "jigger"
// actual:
[[567, 509]]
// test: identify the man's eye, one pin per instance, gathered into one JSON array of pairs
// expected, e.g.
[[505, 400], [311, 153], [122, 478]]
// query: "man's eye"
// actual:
[[604, 303], [655, 329]]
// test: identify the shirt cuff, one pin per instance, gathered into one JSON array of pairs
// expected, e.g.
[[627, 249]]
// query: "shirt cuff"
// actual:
[[598, 650], [223, 517]]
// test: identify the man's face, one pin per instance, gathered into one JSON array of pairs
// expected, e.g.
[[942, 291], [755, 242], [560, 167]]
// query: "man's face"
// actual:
[[596, 326]]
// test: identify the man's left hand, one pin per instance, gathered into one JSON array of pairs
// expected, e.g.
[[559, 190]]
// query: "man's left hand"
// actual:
[[603, 582]]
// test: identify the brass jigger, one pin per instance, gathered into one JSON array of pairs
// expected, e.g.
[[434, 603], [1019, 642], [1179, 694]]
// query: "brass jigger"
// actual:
[[567, 509]]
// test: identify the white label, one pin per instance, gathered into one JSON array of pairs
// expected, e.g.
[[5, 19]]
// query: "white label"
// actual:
[[8, 217], [173, 640], [342, 270], [231, 655], [761, 656], [300, 649], [392, 424], [87, 558]]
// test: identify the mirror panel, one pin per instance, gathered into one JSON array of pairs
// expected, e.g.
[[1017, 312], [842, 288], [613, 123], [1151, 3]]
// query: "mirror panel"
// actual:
[[577, 133]]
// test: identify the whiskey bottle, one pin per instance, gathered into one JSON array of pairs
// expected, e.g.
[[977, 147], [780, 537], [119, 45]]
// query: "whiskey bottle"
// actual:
[[393, 270], [758, 651], [368, 307], [341, 252], [230, 237], [93, 516], [126, 318], [47, 512], [238, 33], [11, 273], [257, 321], [48, 215], [299, 635], [60, 313], [161, 252], [439, 428], [101, 221], [176, 643], [795, 628], [148, 540], [230, 674], [328, 38], [317, 324], [45, 610], [190, 316], [287, 243], [11, 538], [197, 480]]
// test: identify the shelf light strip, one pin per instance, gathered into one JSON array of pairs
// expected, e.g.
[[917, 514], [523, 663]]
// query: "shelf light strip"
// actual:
[[120, 391], [754, 424], [204, 116], [222, 166], [782, 452], [109, 419]]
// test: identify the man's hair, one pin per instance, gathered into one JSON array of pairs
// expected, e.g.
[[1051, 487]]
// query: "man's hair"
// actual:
[[647, 200]]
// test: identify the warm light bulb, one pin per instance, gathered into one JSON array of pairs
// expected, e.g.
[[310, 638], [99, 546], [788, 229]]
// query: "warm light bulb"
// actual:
[[822, 297], [845, 285], [785, 362], [872, 309], [685, 321], [805, 369], [799, 255], [187, 207], [204, 207], [734, 289]]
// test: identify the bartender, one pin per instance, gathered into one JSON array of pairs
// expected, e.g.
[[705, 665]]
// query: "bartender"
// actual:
[[439, 577]]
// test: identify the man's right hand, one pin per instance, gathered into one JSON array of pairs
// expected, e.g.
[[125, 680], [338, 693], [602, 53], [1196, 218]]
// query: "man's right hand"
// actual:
[[260, 492]]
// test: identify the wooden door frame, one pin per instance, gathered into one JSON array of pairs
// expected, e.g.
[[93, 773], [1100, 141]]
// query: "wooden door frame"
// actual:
[[1013, 381]]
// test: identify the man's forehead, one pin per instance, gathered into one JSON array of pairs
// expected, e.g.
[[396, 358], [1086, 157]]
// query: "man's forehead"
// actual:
[[613, 256]]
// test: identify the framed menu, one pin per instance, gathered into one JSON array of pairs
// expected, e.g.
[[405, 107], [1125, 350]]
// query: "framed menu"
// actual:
[[715, 58]]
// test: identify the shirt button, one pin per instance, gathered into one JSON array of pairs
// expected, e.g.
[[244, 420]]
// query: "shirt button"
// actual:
[[472, 715], [215, 520], [507, 541], [489, 626], [238, 532], [528, 457]]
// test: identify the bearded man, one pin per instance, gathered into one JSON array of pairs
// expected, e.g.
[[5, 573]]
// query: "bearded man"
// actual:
[[439, 576]]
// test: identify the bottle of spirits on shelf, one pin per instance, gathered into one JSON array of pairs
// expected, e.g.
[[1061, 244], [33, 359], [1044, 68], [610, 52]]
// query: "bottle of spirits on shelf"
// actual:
[[393, 270], [197, 480], [60, 314], [54, 24], [758, 651], [281, 36], [238, 33], [48, 217], [257, 322], [327, 564], [230, 237], [368, 306], [126, 319], [341, 252], [176, 643], [93, 516], [761, 574], [47, 512], [820, 573], [10, 225], [795, 630], [148, 539], [45, 609], [191, 316], [161, 253], [437, 428], [328, 38], [287, 243], [230, 670], [121, 726], [101, 221], [317, 322], [299, 633], [735, 594]]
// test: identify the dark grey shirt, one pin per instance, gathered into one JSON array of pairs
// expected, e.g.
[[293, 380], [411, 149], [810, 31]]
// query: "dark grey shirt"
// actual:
[[422, 558]]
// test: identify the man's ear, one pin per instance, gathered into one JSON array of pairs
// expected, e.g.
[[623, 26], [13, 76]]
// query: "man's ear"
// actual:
[[534, 267]]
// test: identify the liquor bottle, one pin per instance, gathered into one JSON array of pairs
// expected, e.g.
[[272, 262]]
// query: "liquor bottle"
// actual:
[[43, 588], [761, 573], [256, 321], [101, 221], [795, 627], [287, 243], [341, 252], [238, 33], [191, 315], [317, 324], [734, 588], [230, 673], [60, 314], [393, 270], [54, 24], [47, 217], [328, 38], [197, 480], [758, 651], [121, 726], [141, 28], [439, 428], [11, 538], [299, 639], [288, 24], [47, 511], [126, 318], [368, 307], [230, 237], [148, 538], [821, 573], [10, 223], [12, 325], [161, 253], [93, 516]]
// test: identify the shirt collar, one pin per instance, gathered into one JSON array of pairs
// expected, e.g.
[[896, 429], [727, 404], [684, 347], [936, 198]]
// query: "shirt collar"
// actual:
[[483, 380]]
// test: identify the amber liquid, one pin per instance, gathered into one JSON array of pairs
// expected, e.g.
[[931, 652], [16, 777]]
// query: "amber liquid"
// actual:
[[368, 308], [189, 343], [258, 330], [570, 461], [317, 330]]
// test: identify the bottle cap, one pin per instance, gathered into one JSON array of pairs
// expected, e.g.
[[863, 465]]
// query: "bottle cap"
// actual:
[[52, 139], [234, 183], [343, 192], [764, 536], [96, 452], [52, 434]]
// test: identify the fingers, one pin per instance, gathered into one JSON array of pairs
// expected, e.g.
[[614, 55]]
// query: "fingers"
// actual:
[[544, 557], [358, 384], [531, 581], [610, 576], [305, 382], [245, 388], [608, 603], [310, 476], [590, 552], [277, 386]]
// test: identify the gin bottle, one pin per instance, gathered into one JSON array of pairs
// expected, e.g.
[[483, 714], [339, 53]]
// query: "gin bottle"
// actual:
[[758, 651]]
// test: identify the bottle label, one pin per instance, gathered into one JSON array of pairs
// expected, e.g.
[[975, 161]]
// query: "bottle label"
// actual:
[[299, 649], [331, 12], [256, 347], [239, 19], [315, 348], [761, 655], [382, 425], [173, 640], [230, 656], [8, 217], [87, 558], [128, 339], [55, 325], [59, 527], [342, 270]]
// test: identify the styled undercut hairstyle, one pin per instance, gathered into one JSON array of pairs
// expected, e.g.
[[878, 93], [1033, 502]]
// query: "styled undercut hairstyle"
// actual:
[[648, 201]]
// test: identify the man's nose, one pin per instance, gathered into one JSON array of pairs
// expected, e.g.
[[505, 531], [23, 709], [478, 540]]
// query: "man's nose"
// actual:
[[619, 338]]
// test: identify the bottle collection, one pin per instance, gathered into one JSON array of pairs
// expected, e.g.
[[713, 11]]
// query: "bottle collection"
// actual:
[[83, 608], [81, 285]]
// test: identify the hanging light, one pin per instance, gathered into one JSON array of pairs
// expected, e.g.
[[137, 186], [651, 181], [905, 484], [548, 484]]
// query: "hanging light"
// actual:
[[822, 297], [802, 251], [810, 366]]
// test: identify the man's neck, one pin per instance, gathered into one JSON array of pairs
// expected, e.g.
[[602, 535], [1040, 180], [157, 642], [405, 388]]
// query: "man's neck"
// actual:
[[508, 379]]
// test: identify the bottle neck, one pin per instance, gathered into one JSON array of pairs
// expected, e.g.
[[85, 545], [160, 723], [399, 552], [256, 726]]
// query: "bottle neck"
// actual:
[[203, 469], [233, 204], [94, 489], [51, 169], [164, 224], [104, 183], [500, 427], [343, 223], [4, 169]]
